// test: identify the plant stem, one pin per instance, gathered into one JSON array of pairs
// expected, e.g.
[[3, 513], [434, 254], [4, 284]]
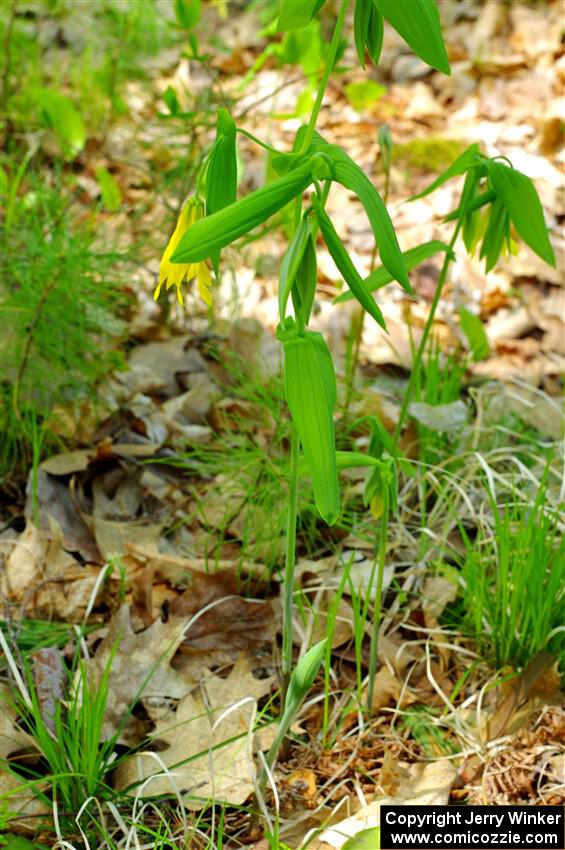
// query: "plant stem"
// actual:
[[425, 336], [288, 588], [377, 608], [334, 44]]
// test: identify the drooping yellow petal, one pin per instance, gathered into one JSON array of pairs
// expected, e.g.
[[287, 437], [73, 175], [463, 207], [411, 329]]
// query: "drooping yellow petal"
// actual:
[[176, 273], [204, 282]]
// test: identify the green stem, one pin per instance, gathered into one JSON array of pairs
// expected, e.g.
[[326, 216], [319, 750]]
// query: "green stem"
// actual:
[[408, 395], [334, 44], [257, 141], [290, 559], [377, 608]]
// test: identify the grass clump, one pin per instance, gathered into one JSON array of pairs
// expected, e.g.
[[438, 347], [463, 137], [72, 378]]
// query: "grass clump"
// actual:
[[513, 578]]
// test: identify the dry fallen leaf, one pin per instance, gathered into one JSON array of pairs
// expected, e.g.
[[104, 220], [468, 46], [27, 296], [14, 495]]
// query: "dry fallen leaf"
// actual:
[[423, 785], [140, 667], [206, 745]]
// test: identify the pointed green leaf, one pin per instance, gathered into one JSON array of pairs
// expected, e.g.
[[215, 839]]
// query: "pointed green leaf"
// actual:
[[188, 13], [496, 232], [64, 119], [468, 159], [109, 189], [475, 334], [361, 17], [517, 193], [221, 179], [412, 258], [215, 231], [311, 394], [303, 676], [417, 21], [295, 14], [352, 177], [375, 34], [473, 205], [290, 263], [304, 285], [343, 261]]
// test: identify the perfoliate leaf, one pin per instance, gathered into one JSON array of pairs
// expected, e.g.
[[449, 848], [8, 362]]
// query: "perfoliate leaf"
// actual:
[[109, 189], [64, 119], [343, 261], [295, 14], [517, 193], [412, 258], [475, 333], [221, 180], [417, 21], [215, 231], [466, 160], [354, 178], [311, 394]]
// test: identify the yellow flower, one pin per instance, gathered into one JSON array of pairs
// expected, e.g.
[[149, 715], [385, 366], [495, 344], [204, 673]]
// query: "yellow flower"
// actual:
[[176, 273]]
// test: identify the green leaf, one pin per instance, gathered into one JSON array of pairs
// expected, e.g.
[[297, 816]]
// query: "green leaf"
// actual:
[[304, 285], [289, 265], [188, 13], [311, 394], [295, 14], [343, 261], [475, 334], [64, 119], [417, 21], [221, 179], [517, 193], [468, 159], [303, 676], [215, 231], [375, 34], [171, 100], [111, 195], [367, 839], [496, 233], [412, 258], [354, 178], [364, 94], [361, 17]]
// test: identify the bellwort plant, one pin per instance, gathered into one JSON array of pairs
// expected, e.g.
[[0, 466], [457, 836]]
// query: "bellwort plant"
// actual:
[[497, 202]]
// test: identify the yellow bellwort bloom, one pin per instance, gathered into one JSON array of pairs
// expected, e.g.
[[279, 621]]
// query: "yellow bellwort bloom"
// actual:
[[176, 273]]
